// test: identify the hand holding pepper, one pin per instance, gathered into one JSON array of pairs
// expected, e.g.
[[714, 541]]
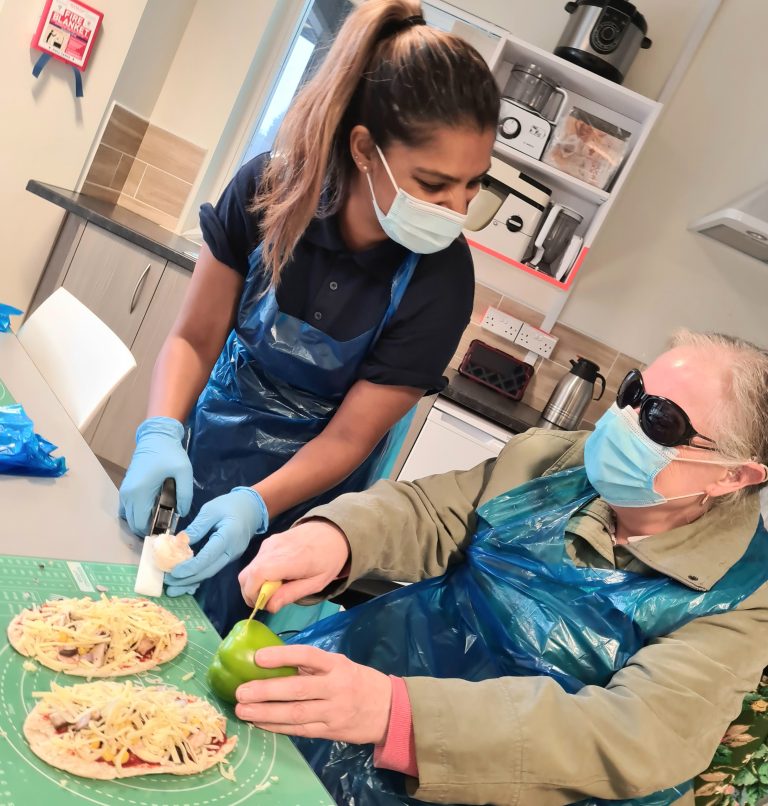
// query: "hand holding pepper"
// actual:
[[307, 558], [331, 698], [234, 662]]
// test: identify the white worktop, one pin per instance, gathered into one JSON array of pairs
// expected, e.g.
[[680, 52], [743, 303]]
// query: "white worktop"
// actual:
[[73, 517]]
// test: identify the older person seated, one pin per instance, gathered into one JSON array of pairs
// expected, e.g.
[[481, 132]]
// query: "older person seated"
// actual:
[[601, 613]]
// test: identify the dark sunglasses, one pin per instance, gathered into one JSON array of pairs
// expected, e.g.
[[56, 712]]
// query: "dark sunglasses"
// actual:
[[662, 420]]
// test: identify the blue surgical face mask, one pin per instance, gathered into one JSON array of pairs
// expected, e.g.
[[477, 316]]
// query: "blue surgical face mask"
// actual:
[[420, 226], [622, 463]]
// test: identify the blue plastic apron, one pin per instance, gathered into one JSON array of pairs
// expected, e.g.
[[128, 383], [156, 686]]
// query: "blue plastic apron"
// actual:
[[517, 606], [276, 385]]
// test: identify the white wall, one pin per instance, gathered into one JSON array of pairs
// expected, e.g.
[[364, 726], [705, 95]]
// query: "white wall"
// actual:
[[157, 38], [221, 72], [646, 274], [210, 64], [191, 66], [46, 133]]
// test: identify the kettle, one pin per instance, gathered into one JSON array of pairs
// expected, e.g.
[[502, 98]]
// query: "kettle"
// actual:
[[572, 395]]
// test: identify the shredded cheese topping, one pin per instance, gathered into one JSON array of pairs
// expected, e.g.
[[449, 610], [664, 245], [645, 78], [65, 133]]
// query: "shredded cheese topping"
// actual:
[[108, 634], [125, 724]]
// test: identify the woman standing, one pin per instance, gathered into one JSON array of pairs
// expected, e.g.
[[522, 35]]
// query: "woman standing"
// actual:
[[330, 294]]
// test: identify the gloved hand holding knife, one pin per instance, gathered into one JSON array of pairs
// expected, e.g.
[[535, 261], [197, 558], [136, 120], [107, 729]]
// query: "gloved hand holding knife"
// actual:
[[160, 454]]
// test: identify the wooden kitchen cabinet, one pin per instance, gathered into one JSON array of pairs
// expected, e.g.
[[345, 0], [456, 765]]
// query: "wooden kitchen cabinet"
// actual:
[[114, 438], [114, 278], [137, 294]]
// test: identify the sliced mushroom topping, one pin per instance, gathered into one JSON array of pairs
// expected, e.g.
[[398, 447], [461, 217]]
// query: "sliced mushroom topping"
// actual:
[[85, 719], [98, 654], [58, 721], [145, 646]]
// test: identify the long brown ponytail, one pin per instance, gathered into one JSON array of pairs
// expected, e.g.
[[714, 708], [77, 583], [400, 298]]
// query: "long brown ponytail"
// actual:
[[399, 80]]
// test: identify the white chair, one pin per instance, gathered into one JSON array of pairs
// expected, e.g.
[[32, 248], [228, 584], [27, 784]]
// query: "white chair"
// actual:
[[81, 359]]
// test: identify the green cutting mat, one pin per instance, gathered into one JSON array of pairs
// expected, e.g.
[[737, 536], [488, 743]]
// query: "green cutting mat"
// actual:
[[6, 398], [268, 768]]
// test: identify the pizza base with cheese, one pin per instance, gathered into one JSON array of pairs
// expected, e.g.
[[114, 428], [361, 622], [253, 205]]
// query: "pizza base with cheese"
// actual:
[[105, 637], [107, 730]]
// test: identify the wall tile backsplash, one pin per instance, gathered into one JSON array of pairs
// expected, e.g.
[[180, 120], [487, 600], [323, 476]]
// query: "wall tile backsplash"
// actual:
[[144, 168], [572, 344], [124, 131]]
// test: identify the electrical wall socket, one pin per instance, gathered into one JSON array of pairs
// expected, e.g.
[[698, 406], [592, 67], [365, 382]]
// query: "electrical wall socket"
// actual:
[[502, 324], [535, 340]]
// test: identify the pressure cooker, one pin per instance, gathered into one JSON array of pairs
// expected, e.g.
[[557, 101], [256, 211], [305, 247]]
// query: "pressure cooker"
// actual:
[[603, 36]]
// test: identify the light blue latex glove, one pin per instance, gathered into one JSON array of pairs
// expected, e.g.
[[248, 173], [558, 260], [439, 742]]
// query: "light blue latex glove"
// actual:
[[159, 455], [234, 519]]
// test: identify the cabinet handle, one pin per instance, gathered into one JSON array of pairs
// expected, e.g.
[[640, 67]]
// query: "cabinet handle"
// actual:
[[138, 288]]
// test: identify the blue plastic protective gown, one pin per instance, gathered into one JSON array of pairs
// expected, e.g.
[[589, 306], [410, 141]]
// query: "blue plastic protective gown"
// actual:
[[276, 385], [517, 605]]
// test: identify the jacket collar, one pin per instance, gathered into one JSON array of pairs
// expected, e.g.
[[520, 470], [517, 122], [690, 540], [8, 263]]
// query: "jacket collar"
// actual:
[[697, 554], [700, 553]]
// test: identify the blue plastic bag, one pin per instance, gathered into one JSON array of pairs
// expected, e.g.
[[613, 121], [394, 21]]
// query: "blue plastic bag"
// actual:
[[516, 606], [22, 451], [6, 311]]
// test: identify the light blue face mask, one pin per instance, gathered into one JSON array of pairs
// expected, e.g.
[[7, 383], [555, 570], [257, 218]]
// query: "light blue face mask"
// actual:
[[418, 225], [622, 462]]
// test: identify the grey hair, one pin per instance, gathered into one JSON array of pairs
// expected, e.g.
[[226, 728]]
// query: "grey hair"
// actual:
[[744, 434]]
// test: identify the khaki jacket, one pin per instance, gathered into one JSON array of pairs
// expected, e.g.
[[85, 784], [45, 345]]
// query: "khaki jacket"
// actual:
[[525, 741]]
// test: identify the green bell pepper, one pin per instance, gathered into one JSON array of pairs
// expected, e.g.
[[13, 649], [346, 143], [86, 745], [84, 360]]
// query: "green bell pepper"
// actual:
[[233, 664]]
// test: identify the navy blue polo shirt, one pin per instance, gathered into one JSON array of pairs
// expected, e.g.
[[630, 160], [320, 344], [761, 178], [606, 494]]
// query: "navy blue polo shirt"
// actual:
[[344, 293]]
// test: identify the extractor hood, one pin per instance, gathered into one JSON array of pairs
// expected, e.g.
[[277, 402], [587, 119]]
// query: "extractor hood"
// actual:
[[743, 224]]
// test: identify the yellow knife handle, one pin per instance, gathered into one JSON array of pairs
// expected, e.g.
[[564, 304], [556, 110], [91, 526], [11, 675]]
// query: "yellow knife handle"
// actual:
[[266, 593]]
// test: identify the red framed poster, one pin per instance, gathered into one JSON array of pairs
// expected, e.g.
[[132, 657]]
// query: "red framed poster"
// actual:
[[67, 30]]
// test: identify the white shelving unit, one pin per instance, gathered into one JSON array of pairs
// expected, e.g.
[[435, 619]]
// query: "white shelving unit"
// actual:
[[595, 95]]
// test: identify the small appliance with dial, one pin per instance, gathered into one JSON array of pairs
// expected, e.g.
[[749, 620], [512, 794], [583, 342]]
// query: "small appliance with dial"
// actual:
[[603, 36], [505, 214], [527, 114], [523, 130]]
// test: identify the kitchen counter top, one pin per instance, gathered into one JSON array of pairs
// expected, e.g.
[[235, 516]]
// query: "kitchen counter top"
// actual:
[[122, 222], [510, 414], [73, 517]]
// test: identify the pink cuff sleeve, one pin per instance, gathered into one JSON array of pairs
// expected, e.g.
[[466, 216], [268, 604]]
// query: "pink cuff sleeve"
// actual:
[[398, 752]]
